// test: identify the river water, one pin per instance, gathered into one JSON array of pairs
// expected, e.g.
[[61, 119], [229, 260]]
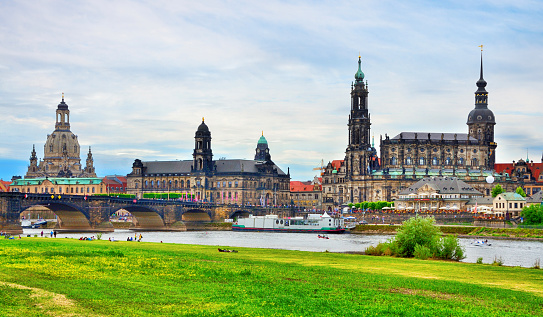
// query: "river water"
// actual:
[[511, 252]]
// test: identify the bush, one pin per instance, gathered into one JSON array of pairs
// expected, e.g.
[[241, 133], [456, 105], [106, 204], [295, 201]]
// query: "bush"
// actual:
[[479, 260], [417, 230], [497, 261], [422, 252], [450, 248], [421, 238]]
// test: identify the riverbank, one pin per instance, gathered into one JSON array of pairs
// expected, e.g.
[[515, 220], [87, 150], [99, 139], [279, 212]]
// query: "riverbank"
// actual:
[[101, 278], [462, 231]]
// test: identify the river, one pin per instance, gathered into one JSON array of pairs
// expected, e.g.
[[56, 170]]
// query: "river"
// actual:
[[512, 252]]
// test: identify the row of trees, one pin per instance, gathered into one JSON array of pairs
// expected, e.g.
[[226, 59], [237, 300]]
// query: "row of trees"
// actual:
[[498, 189], [371, 205]]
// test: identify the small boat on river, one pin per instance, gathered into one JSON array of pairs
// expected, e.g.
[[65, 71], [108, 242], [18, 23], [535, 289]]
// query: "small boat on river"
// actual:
[[481, 243], [314, 223]]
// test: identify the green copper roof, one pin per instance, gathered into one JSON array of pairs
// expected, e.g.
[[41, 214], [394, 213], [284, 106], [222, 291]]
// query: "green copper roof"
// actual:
[[359, 74], [262, 140]]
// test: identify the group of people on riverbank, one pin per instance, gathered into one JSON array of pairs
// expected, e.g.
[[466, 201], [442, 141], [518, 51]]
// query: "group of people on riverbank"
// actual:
[[135, 238], [53, 233]]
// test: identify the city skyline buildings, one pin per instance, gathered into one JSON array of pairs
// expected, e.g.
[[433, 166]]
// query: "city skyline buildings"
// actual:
[[139, 77]]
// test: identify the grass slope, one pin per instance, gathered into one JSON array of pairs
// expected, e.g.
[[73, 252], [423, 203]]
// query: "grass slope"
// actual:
[[64, 277]]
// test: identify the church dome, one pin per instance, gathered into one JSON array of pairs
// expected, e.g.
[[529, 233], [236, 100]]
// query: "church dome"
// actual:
[[359, 74], [481, 115], [203, 127], [262, 140]]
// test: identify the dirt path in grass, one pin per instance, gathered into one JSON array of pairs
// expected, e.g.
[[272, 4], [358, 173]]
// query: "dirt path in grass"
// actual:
[[50, 303]]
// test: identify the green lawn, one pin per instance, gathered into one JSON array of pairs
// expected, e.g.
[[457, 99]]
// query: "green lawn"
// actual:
[[65, 277]]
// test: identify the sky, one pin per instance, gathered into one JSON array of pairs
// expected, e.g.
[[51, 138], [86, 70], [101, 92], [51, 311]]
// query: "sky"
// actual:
[[139, 76]]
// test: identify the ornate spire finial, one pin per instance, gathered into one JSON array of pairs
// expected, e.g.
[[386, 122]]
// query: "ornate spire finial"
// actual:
[[481, 46], [262, 132], [62, 96], [202, 119]]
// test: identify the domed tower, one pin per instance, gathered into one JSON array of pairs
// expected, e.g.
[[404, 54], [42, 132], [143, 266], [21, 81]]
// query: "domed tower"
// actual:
[[262, 149], [358, 154], [202, 155], [61, 150], [481, 120]]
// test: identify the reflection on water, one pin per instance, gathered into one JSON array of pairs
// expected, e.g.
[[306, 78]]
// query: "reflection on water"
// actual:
[[512, 252]]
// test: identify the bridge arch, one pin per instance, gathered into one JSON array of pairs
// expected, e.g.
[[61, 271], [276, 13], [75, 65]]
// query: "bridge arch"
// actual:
[[239, 213], [196, 215], [146, 218], [70, 216]]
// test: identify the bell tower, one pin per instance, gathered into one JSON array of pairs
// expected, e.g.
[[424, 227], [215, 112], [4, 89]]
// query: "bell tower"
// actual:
[[481, 121], [357, 155], [202, 155], [63, 116]]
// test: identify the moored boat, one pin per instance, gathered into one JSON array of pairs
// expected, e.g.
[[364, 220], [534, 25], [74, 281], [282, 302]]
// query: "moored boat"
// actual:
[[314, 223]]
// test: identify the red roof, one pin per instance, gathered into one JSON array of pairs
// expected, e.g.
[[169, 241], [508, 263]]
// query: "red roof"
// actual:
[[4, 185], [336, 164], [297, 186], [508, 168]]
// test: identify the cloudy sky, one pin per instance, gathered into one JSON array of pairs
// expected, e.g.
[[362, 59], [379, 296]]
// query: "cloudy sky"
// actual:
[[138, 76]]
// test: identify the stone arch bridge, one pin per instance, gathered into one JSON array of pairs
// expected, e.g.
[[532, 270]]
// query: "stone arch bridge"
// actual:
[[91, 213]]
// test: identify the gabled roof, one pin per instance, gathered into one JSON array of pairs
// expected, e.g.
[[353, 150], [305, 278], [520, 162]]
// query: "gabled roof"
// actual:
[[445, 185], [511, 197], [4, 186], [536, 198]]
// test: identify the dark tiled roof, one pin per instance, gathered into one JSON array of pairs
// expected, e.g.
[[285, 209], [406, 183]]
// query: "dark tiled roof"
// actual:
[[444, 185], [434, 136], [223, 166], [536, 198]]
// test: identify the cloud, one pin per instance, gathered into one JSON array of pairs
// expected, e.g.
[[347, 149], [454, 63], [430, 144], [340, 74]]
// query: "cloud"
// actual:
[[139, 75]]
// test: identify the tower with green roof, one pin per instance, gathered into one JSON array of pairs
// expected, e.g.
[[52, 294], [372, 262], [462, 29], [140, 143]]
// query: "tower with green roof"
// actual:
[[262, 149]]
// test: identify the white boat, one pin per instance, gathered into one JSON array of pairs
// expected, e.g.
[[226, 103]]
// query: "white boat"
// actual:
[[314, 223], [481, 243]]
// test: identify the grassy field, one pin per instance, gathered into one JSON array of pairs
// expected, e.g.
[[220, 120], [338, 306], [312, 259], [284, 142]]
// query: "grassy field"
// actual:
[[65, 277]]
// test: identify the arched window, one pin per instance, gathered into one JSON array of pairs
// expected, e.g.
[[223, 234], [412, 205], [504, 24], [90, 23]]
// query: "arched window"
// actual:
[[188, 183], [474, 162], [152, 184], [175, 184], [157, 184], [146, 184], [422, 161], [408, 160], [448, 161], [393, 161], [435, 161], [182, 183], [461, 161]]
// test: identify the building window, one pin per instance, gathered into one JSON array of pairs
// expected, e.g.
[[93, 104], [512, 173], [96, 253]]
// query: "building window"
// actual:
[[435, 161], [188, 183], [235, 184], [60, 190], [422, 161], [393, 160], [474, 162], [448, 161], [77, 190], [461, 161], [229, 184], [408, 161]]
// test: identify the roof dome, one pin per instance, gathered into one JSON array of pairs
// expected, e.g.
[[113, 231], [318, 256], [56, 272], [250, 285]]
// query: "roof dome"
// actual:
[[359, 74], [62, 105], [203, 127], [481, 115], [262, 140]]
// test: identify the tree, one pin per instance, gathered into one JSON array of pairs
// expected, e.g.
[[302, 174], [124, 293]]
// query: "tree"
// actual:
[[417, 231], [520, 191], [497, 190], [533, 214]]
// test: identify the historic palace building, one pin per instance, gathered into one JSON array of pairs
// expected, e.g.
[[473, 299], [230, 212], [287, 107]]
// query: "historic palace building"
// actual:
[[61, 156], [410, 156], [240, 182]]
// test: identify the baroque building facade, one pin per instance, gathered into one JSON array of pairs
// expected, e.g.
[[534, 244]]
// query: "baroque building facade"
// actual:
[[61, 156], [410, 156], [225, 181]]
